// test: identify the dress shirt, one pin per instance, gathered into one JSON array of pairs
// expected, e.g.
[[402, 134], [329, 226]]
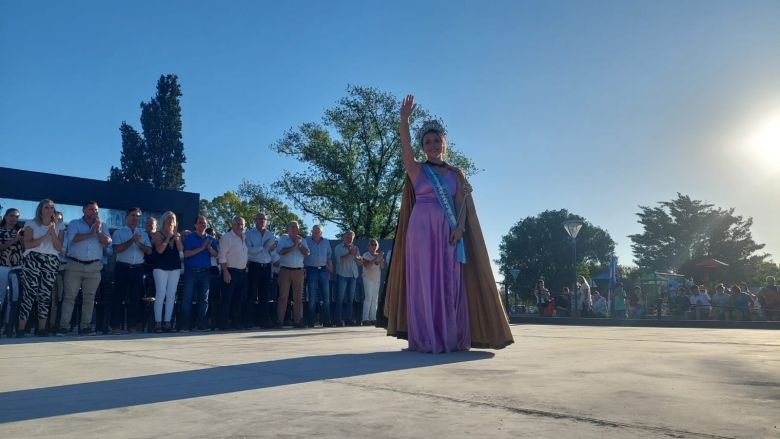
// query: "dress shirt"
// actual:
[[89, 249], [233, 251], [132, 255], [259, 245], [320, 253], [348, 267], [293, 259]]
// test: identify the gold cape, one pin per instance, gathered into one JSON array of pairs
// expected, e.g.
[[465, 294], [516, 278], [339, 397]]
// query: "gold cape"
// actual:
[[488, 321]]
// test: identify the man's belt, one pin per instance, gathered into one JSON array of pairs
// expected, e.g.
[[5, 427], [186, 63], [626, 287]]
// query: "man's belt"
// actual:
[[292, 268], [260, 264], [125, 264], [83, 262], [243, 270], [323, 267], [198, 269]]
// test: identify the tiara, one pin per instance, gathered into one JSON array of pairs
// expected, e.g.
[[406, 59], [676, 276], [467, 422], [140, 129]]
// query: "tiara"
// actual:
[[428, 126]]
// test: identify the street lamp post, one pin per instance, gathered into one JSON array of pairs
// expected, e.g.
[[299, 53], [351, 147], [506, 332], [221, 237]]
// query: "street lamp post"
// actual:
[[573, 228], [514, 272]]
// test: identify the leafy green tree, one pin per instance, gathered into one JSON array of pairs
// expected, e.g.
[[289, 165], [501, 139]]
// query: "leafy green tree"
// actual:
[[156, 159], [355, 174], [541, 249], [246, 202], [762, 270], [682, 232]]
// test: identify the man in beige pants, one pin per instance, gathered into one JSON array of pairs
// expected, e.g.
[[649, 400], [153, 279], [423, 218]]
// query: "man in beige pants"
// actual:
[[85, 240]]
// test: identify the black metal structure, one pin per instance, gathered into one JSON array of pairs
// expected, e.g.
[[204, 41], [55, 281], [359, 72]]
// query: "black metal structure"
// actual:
[[35, 186]]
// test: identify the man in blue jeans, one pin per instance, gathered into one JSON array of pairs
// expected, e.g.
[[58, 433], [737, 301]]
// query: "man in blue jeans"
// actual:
[[318, 269], [347, 257], [199, 248]]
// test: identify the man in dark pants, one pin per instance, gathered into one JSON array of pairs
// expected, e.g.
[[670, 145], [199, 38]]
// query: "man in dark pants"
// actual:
[[130, 246], [261, 242], [233, 257], [199, 248], [318, 269]]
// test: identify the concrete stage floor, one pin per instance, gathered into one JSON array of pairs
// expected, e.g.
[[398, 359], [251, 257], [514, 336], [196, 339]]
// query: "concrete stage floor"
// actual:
[[554, 382]]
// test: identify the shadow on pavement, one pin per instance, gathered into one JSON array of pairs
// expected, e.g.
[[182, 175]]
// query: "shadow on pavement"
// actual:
[[22, 405]]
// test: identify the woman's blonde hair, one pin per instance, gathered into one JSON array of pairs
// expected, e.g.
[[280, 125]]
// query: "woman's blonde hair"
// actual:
[[165, 217], [39, 213]]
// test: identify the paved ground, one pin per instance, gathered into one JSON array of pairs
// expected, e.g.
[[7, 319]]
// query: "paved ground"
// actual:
[[554, 382]]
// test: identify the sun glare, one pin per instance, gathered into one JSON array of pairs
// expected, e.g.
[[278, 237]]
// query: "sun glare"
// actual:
[[765, 142]]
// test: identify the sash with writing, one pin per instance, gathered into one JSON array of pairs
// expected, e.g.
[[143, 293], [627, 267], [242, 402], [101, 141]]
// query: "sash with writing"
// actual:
[[447, 204]]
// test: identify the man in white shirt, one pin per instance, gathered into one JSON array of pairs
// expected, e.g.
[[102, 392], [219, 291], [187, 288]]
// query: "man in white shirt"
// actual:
[[130, 245], [233, 257], [292, 250], [261, 242]]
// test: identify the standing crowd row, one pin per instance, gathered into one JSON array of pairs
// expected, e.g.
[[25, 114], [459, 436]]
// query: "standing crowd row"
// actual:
[[244, 260]]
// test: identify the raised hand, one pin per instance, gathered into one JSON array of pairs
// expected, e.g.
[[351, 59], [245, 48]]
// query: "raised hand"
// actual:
[[407, 108]]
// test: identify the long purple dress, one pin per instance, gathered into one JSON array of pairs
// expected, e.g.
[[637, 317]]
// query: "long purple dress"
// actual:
[[436, 306]]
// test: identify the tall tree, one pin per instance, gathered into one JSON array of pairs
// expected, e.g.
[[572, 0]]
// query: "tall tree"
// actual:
[[541, 249], [246, 202], [355, 179], [158, 158], [682, 232], [134, 165]]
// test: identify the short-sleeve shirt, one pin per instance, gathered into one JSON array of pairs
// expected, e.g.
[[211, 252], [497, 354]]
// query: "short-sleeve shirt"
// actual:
[[294, 258], [89, 249], [132, 255], [348, 267], [203, 258]]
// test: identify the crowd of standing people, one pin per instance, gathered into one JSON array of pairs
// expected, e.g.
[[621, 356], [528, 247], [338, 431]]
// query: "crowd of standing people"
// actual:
[[160, 267]]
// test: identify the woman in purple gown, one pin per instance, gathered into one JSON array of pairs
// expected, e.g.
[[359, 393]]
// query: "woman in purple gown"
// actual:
[[437, 308]]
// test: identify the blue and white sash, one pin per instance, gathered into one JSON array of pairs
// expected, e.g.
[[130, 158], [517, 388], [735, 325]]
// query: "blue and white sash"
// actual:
[[447, 204]]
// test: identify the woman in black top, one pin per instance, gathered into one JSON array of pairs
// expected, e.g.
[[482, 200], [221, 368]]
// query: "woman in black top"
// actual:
[[168, 249]]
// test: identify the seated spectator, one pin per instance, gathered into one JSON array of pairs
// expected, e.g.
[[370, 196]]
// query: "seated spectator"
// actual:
[[702, 304], [681, 304], [740, 304], [619, 302], [769, 298], [720, 302], [599, 308], [563, 303], [636, 304], [755, 305], [543, 298]]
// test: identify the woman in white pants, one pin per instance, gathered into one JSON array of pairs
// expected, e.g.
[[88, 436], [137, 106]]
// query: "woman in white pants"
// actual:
[[373, 264], [166, 269]]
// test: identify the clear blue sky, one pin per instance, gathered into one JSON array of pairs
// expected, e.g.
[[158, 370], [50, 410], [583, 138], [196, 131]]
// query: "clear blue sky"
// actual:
[[592, 106]]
